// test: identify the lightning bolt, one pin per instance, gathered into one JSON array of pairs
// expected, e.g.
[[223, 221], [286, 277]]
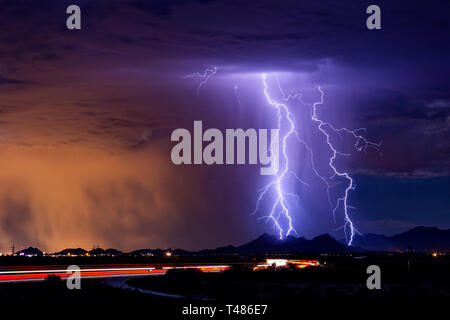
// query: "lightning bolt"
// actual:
[[361, 144], [280, 206], [204, 76], [279, 213]]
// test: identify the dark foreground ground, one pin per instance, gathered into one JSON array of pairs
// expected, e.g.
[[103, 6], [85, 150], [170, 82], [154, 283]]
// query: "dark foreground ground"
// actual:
[[338, 287]]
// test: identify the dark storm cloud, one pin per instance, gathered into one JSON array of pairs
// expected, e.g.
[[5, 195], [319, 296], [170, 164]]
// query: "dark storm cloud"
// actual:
[[162, 7], [254, 36], [411, 125], [248, 34], [401, 107], [4, 81], [109, 95]]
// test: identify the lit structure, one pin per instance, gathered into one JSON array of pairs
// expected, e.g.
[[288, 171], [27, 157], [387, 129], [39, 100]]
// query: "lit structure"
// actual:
[[283, 263]]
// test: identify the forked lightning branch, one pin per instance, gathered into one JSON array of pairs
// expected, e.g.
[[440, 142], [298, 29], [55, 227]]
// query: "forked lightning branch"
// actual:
[[274, 155]]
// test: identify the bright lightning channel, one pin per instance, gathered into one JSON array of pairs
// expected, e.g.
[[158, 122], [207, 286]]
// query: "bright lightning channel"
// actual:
[[280, 207], [286, 124]]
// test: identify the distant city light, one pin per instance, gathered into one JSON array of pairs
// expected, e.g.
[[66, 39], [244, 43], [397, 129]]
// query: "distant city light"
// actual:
[[277, 262], [282, 263]]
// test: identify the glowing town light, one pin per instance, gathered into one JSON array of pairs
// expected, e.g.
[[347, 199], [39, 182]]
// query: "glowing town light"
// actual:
[[277, 262]]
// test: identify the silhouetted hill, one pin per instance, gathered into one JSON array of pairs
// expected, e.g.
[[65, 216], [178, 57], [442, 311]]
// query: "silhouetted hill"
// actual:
[[327, 244], [220, 250], [107, 252], [375, 242], [418, 239], [180, 252], [73, 252], [260, 245], [424, 239], [113, 252], [30, 252], [148, 252], [267, 244], [264, 244], [97, 252]]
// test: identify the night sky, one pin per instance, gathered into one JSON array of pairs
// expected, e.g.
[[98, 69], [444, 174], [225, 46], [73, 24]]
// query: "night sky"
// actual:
[[86, 117]]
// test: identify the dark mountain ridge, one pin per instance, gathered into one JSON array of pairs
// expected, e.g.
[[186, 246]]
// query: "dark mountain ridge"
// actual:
[[29, 252], [423, 239], [267, 244]]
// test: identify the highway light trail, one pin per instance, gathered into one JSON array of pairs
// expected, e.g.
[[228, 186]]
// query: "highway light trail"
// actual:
[[39, 273], [42, 272]]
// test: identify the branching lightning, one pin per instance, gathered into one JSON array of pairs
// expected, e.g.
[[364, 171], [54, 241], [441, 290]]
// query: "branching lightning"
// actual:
[[279, 213], [204, 76], [280, 207], [361, 143]]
